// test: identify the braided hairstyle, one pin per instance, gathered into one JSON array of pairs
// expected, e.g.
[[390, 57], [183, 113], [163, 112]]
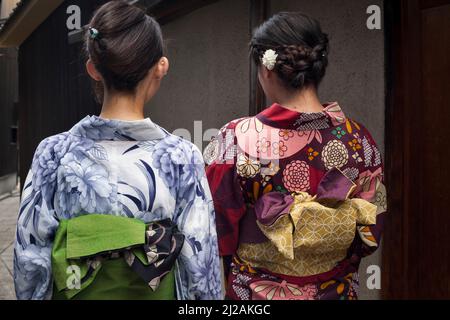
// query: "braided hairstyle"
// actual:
[[126, 45], [301, 46]]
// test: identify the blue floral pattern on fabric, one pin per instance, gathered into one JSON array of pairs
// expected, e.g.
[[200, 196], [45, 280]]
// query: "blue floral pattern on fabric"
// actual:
[[83, 186], [179, 166], [130, 168]]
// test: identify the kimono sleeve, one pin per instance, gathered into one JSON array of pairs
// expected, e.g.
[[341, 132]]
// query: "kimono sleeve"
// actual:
[[36, 227], [370, 187], [227, 193], [198, 275]]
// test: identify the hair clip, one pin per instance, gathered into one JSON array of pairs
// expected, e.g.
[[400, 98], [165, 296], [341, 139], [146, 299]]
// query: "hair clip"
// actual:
[[269, 59], [93, 33]]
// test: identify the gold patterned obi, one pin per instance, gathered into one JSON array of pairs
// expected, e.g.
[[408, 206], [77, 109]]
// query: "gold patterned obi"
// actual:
[[307, 235]]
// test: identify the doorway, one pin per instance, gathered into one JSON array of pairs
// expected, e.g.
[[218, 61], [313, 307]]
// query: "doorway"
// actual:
[[416, 261]]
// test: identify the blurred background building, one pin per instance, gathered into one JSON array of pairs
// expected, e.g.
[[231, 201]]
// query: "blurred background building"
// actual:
[[393, 79], [8, 109]]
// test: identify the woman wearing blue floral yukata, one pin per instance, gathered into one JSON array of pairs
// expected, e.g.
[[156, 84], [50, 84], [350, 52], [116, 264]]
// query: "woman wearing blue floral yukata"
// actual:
[[117, 207]]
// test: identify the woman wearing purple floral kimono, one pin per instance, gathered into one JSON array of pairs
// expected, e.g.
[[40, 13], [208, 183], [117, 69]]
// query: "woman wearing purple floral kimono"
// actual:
[[120, 169], [298, 189]]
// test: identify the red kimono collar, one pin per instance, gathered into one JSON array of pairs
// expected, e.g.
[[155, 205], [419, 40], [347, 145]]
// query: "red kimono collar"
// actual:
[[280, 117]]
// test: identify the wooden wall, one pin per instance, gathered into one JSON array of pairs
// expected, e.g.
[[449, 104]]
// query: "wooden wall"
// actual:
[[54, 90], [416, 251], [8, 117]]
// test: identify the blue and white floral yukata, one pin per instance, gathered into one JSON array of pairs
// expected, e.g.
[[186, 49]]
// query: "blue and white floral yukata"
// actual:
[[134, 169]]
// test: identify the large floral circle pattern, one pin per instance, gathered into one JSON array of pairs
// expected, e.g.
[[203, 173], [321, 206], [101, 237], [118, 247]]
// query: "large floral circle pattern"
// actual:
[[246, 167], [296, 176], [335, 154]]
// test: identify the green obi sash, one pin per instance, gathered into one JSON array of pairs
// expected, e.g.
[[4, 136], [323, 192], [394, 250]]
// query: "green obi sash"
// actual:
[[97, 257]]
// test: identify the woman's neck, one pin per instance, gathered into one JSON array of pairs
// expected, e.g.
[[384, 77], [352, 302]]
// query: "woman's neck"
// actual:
[[305, 101], [122, 107]]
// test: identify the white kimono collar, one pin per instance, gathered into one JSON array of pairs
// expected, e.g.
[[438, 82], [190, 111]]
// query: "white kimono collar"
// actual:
[[96, 128]]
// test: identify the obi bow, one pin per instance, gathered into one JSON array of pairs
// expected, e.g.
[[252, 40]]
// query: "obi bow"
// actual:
[[150, 250], [322, 223]]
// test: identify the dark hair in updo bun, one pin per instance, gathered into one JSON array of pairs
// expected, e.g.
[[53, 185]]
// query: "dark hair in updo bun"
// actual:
[[301, 46], [128, 44]]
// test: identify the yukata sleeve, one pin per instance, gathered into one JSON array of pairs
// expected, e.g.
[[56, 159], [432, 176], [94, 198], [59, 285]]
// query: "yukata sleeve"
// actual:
[[370, 187], [227, 193], [198, 272], [36, 227]]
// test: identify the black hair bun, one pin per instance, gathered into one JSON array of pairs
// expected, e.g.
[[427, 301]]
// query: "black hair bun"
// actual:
[[127, 44], [301, 46], [300, 65]]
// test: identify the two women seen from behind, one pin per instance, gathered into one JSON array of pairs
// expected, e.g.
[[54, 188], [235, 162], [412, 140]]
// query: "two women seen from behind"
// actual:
[[119, 208]]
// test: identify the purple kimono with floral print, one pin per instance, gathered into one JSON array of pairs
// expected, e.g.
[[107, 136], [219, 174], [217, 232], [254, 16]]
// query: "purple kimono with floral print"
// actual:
[[281, 151]]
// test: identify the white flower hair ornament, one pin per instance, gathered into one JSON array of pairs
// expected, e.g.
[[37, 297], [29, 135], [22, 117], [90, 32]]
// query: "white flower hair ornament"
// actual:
[[269, 59]]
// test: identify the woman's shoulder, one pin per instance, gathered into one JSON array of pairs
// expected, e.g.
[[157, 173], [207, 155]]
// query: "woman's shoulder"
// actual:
[[52, 146], [360, 144], [358, 129], [55, 137], [47, 158], [180, 150], [223, 145], [232, 125], [227, 134]]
